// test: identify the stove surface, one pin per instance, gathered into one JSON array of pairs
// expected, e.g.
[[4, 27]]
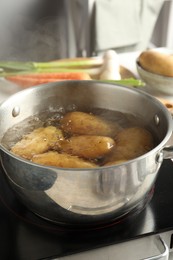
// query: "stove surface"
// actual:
[[25, 236]]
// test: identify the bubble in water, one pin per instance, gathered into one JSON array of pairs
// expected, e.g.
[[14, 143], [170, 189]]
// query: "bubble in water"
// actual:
[[71, 107], [59, 109]]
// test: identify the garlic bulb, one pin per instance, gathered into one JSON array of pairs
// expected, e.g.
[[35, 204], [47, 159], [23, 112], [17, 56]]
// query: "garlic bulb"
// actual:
[[110, 67]]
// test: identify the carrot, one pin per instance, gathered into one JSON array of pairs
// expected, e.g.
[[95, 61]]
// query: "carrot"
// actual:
[[56, 75], [29, 80], [25, 82]]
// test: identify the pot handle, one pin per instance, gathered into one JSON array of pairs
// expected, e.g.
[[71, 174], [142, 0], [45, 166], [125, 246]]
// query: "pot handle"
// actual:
[[167, 152]]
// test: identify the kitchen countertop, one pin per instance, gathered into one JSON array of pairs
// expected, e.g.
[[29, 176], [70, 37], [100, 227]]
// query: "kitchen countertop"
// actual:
[[127, 60]]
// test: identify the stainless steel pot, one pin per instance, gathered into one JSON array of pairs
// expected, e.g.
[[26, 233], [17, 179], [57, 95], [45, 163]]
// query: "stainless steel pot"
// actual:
[[85, 196]]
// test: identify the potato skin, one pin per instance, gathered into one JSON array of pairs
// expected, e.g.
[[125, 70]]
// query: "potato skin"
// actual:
[[88, 146], [156, 62], [61, 160], [131, 143], [81, 123], [38, 141]]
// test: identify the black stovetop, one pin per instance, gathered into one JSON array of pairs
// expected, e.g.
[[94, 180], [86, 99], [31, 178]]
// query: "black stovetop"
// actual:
[[25, 236]]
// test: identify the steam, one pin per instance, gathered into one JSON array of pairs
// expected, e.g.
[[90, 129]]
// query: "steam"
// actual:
[[32, 30]]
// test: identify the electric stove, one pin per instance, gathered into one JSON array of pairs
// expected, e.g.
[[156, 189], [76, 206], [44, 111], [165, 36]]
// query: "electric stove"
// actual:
[[25, 236]]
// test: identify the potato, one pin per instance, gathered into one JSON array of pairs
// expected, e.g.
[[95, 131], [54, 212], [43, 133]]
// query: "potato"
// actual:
[[131, 143], [81, 123], [61, 160], [38, 141], [88, 146], [156, 62]]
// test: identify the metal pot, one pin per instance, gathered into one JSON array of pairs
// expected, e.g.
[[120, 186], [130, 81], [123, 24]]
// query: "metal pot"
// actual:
[[85, 196]]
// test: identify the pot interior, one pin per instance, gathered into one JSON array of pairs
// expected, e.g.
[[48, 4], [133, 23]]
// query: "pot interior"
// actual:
[[82, 96]]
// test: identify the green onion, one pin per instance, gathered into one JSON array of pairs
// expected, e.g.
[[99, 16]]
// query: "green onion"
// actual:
[[68, 64], [131, 82], [16, 65], [25, 72], [30, 66]]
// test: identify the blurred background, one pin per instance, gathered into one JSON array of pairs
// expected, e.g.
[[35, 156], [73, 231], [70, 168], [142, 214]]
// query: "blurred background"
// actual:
[[42, 30], [163, 30]]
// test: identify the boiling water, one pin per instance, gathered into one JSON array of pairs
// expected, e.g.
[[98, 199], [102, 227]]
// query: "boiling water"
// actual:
[[53, 115]]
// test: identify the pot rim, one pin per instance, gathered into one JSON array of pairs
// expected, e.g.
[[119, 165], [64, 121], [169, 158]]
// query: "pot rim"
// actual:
[[155, 150]]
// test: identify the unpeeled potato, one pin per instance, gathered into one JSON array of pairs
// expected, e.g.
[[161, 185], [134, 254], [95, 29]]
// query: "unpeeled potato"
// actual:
[[61, 160], [131, 143], [81, 123], [38, 141], [157, 62], [88, 146]]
